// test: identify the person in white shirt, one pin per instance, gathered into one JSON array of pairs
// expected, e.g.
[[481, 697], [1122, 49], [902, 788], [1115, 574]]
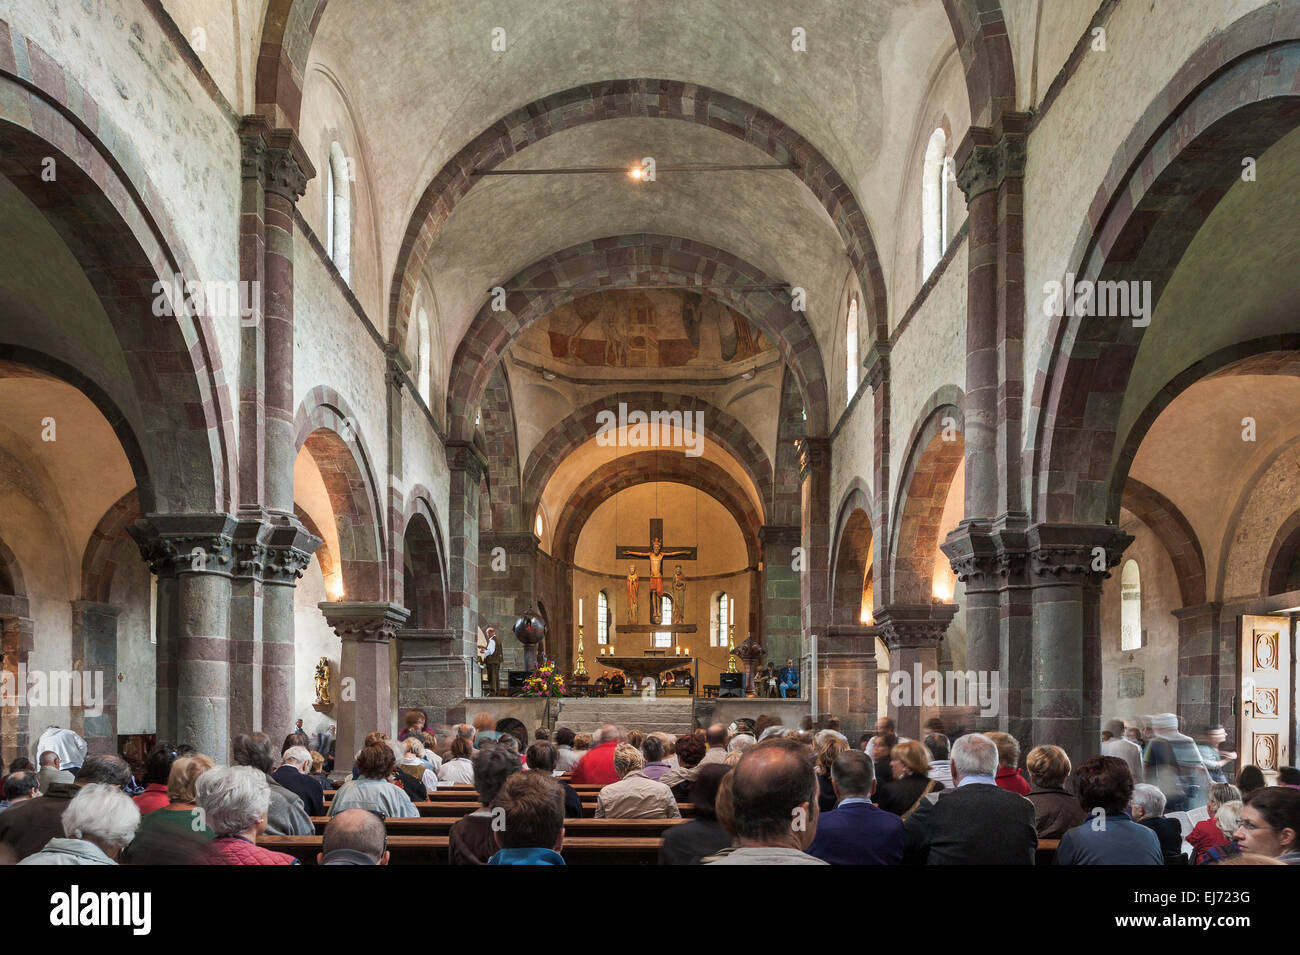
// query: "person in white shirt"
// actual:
[[940, 766], [1115, 743], [413, 764], [459, 768], [565, 757]]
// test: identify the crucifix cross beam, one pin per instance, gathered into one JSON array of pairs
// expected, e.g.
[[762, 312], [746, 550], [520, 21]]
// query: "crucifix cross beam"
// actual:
[[626, 552]]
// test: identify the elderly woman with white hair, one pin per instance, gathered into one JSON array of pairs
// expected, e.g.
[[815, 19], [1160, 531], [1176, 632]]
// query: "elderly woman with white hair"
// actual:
[[98, 824], [235, 801], [412, 763]]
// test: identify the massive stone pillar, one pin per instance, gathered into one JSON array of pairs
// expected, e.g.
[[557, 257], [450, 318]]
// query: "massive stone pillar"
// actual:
[[365, 697], [192, 557], [1067, 565], [846, 677], [428, 673], [507, 591], [1198, 665], [913, 632], [815, 536], [94, 663], [782, 626], [272, 547], [15, 648], [468, 464]]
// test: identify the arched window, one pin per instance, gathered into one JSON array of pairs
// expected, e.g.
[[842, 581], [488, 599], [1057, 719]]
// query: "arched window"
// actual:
[[934, 202], [338, 213], [602, 618], [1130, 607], [423, 355], [723, 608], [538, 525], [664, 638], [851, 350]]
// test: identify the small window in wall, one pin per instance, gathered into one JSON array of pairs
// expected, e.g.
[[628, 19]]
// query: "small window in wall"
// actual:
[[1130, 607], [538, 525], [602, 618], [424, 354], [851, 350], [934, 202], [338, 212], [664, 638], [722, 611]]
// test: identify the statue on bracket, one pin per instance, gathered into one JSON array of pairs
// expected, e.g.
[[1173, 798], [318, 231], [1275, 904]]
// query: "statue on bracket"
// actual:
[[679, 596], [322, 679], [633, 590]]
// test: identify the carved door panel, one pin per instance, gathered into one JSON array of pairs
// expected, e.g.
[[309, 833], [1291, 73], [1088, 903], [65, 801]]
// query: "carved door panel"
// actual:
[[1265, 694]]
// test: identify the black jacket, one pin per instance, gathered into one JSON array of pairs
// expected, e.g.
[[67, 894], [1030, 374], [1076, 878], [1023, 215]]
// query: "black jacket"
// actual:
[[689, 842], [306, 787], [976, 824], [26, 827]]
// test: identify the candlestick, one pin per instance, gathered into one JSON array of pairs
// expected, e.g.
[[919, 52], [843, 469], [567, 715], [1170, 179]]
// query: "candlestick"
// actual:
[[580, 611]]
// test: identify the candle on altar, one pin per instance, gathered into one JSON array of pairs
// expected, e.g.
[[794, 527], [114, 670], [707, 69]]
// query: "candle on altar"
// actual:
[[580, 611]]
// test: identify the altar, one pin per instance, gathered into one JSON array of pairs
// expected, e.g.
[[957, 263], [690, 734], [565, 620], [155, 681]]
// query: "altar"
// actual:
[[637, 668]]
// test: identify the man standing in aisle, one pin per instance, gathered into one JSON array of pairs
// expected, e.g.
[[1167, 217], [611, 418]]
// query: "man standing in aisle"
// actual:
[[492, 657]]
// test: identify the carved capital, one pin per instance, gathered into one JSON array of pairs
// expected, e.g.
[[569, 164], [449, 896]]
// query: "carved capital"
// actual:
[[877, 365], [989, 164], [275, 158], [914, 625], [814, 454], [1084, 552], [271, 547], [364, 621], [468, 457], [175, 544]]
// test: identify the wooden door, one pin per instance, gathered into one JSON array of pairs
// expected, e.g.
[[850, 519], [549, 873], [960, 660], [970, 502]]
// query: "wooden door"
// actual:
[[1265, 694]]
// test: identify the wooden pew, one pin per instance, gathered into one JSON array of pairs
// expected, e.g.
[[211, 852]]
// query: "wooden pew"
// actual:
[[432, 850], [463, 807], [439, 825]]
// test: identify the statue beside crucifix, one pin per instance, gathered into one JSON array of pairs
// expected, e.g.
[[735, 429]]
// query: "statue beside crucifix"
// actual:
[[633, 591], [679, 596], [655, 554]]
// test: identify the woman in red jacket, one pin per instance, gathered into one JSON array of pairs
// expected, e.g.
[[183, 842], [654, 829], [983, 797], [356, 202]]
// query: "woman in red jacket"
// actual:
[[1206, 834], [235, 800], [1009, 776]]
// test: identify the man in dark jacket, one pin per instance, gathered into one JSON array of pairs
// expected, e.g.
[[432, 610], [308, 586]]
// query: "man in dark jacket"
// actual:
[[27, 827], [975, 822], [293, 774], [856, 832]]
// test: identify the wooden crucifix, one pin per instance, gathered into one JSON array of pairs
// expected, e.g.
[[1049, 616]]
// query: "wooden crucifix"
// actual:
[[655, 553]]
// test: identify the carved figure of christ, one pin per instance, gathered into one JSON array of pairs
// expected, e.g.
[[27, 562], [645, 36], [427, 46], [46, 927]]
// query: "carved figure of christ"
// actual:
[[655, 554]]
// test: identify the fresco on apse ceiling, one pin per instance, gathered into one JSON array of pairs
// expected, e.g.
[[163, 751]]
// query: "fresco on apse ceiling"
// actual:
[[645, 328]]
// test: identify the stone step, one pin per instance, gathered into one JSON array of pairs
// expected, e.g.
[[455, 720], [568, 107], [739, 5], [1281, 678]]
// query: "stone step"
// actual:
[[585, 716]]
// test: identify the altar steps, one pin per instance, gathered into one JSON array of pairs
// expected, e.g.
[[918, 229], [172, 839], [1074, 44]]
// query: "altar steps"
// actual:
[[676, 716]]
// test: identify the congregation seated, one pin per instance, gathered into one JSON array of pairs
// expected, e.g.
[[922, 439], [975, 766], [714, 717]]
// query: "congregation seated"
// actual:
[[236, 801], [856, 832], [472, 840], [287, 816], [1270, 824], [1109, 836], [533, 832], [597, 765], [19, 787], [414, 724], [1248, 780], [938, 747], [98, 823], [1009, 776], [828, 748], [910, 782], [157, 765], [1227, 819], [565, 755], [373, 788], [540, 758], [773, 797], [1206, 834], [458, 769], [28, 826], [652, 748], [1055, 809], [414, 764], [50, 770], [354, 837], [881, 753], [704, 834], [294, 774], [976, 822], [689, 750], [1147, 808], [177, 833], [634, 796]]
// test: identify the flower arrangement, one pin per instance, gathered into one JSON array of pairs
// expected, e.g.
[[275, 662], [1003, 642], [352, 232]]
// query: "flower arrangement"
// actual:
[[544, 681]]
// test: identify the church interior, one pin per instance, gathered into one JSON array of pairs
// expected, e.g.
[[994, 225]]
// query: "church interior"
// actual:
[[934, 359]]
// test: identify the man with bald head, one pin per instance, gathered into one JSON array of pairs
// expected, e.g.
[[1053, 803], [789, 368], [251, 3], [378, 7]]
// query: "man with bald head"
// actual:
[[598, 765], [354, 837], [774, 804]]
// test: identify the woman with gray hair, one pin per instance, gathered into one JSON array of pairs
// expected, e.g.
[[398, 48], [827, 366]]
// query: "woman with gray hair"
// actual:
[[234, 801], [98, 824]]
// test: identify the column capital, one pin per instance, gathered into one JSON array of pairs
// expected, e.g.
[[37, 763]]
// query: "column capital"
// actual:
[[276, 158], [914, 625], [467, 456], [272, 547], [174, 544], [397, 367], [877, 364], [988, 157], [986, 555], [364, 621], [1083, 551], [814, 454]]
